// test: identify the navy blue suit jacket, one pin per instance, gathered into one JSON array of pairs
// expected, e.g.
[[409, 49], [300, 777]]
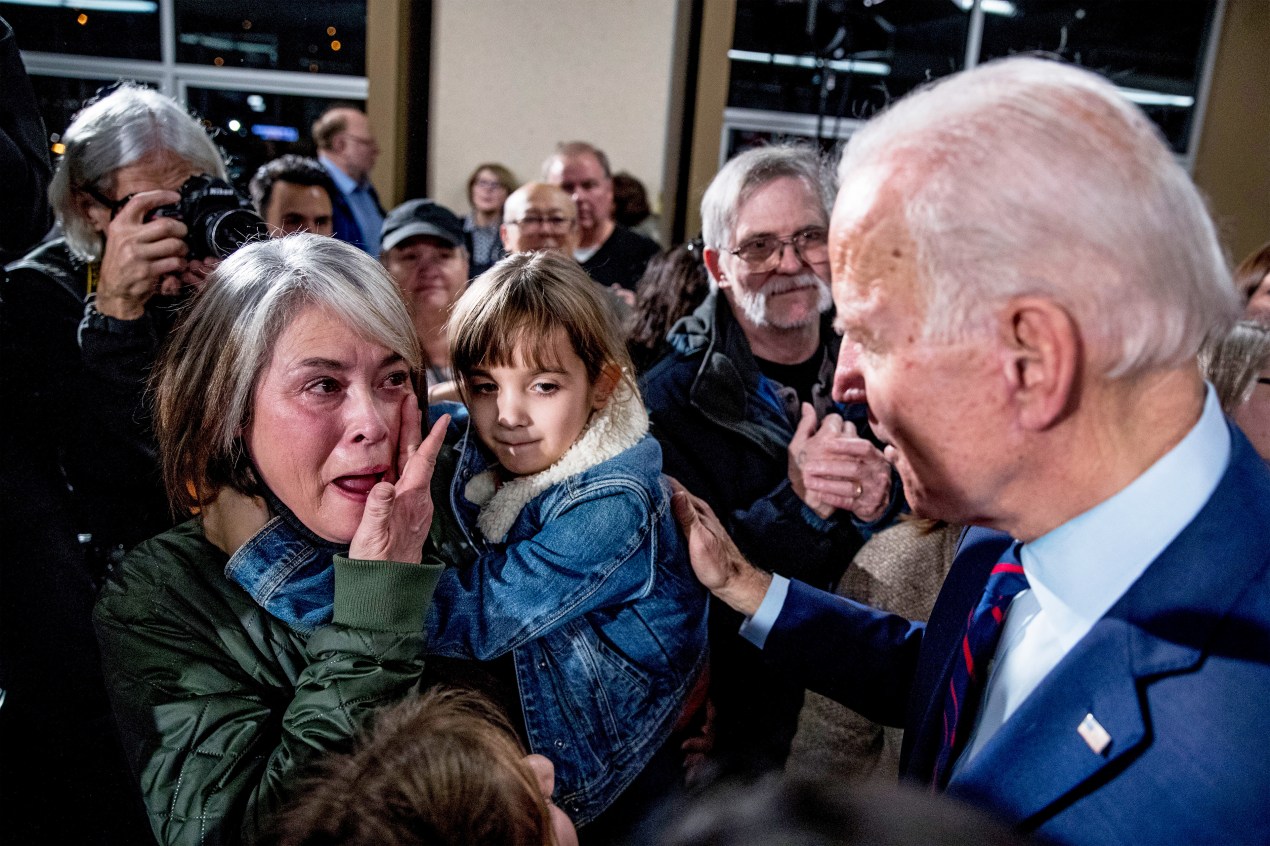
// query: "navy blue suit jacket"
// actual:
[[1177, 672]]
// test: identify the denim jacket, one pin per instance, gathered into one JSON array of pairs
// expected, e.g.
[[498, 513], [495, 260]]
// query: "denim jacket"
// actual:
[[592, 593]]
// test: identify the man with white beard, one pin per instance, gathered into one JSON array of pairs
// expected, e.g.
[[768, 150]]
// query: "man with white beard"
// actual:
[[742, 408]]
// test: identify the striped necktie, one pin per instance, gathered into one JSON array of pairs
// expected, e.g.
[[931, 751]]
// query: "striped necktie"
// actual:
[[970, 670]]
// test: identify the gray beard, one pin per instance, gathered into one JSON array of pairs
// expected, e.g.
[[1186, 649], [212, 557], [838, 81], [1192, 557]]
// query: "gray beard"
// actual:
[[754, 303]]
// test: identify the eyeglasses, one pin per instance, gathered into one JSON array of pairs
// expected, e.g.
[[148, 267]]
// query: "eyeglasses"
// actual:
[[114, 205], [535, 222], [811, 245], [490, 184]]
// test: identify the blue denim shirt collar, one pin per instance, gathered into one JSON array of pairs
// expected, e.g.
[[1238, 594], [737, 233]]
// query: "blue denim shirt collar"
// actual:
[[288, 570]]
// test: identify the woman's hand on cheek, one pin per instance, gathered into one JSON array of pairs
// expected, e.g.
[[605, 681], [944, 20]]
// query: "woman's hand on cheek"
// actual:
[[398, 512]]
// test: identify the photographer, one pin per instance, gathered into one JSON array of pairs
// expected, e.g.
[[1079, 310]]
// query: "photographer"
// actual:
[[90, 309], [84, 316]]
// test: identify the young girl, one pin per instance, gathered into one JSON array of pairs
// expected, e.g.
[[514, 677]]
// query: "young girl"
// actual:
[[581, 601]]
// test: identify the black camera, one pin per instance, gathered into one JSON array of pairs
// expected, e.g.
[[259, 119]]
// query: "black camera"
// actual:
[[219, 219]]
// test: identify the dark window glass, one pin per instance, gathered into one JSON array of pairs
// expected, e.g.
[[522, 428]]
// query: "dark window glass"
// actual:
[[315, 37], [1156, 50], [849, 59], [59, 98], [130, 33], [253, 128]]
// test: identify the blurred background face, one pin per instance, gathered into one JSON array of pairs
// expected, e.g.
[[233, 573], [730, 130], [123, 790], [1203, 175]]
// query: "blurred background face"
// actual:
[[298, 208], [542, 219], [583, 179], [325, 420], [1258, 307], [488, 194], [357, 146], [430, 272]]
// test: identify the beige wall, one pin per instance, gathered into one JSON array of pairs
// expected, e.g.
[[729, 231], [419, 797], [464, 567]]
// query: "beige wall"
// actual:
[[1232, 164], [510, 78]]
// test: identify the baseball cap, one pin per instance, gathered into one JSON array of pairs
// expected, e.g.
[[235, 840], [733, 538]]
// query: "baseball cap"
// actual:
[[420, 217]]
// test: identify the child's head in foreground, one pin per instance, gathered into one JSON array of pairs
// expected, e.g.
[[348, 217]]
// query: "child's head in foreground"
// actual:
[[440, 769], [537, 351]]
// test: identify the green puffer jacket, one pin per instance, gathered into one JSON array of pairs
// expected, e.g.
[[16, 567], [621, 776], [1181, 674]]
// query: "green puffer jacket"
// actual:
[[219, 704]]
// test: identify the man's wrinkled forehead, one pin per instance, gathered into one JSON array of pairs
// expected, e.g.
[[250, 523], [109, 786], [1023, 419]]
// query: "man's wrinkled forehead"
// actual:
[[870, 247]]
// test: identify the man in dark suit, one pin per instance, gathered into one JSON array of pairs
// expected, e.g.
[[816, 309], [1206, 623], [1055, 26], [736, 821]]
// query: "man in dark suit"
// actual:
[[1023, 275]]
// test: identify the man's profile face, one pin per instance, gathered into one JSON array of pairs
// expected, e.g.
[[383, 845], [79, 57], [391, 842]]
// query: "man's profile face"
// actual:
[[792, 292], [583, 178], [546, 221], [937, 403], [298, 208]]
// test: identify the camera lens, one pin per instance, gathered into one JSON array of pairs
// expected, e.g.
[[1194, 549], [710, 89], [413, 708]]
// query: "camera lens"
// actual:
[[226, 231]]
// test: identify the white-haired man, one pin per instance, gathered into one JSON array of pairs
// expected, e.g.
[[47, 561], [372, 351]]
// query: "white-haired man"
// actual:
[[736, 405], [1024, 275]]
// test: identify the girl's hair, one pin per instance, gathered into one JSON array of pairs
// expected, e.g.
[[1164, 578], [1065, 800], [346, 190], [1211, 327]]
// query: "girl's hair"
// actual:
[[205, 381], [441, 768], [674, 284], [520, 303]]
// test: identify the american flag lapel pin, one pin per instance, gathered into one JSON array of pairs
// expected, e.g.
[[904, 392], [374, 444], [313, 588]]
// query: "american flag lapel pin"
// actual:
[[1092, 732]]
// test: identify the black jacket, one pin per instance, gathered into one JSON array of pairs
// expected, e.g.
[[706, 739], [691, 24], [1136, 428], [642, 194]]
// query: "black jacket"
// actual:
[[724, 430], [78, 391]]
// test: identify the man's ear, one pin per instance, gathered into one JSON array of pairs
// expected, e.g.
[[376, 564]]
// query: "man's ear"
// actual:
[[605, 384], [711, 258], [502, 236], [1042, 351]]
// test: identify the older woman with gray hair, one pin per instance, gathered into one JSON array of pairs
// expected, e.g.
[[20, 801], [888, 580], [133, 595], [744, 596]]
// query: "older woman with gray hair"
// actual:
[[1238, 366], [87, 312], [245, 642]]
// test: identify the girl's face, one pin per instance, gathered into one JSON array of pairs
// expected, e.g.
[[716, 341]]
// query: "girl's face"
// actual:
[[529, 416]]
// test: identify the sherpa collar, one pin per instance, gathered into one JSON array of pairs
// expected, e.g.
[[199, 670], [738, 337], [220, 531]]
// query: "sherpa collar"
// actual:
[[614, 429]]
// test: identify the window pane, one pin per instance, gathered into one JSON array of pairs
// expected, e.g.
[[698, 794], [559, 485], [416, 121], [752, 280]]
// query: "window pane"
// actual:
[[316, 37], [130, 33], [253, 128], [1154, 50], [59, 98], [873, 53]]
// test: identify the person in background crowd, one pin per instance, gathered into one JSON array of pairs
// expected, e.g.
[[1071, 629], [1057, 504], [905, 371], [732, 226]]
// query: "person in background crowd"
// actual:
[[84, 316], [294, 194], [610, 253], [425, 256], [674, 284], [1238, 366], [245, 642], [347, 149], [487, 189], [1252, 276], [443, 768], [631, 209], [539, 216], [24, 156], [1022, 297], [741, 407]]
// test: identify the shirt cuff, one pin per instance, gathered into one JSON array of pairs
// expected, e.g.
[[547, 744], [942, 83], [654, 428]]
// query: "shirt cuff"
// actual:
[[755, 629]]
